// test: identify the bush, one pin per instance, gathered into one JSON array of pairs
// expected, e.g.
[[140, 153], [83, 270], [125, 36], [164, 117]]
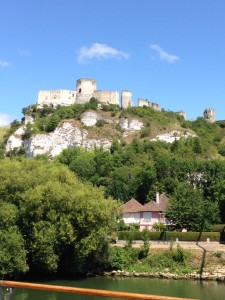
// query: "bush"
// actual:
[[120, 258], [100, 123], [172, 236], [145, 132]]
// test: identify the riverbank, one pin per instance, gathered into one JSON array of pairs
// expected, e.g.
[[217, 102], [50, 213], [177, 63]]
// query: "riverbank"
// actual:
[[207, 261]]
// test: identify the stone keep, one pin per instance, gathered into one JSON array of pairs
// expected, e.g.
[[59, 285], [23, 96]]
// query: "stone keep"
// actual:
[[209, 114], [85, 88], [126, 99]]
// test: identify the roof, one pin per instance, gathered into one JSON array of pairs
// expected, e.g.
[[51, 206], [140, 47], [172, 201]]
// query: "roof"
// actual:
[[163, 202], [132, 206], [151, 206]]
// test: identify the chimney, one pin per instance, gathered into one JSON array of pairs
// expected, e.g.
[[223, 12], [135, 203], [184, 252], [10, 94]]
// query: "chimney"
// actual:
[[157, 197]]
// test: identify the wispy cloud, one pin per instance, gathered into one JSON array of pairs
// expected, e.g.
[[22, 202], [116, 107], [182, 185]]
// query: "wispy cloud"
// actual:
[[5, 119], [23, 52], [100, 51], [4, 64], [163, 55]]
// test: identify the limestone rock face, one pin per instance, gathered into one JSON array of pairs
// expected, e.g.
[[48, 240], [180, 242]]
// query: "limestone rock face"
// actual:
[[90, 118], [65, 136], [15, 140], [130, 124], [173, 135]]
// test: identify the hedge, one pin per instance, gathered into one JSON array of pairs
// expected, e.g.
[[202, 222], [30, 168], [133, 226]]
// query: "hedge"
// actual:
[[172, 236]]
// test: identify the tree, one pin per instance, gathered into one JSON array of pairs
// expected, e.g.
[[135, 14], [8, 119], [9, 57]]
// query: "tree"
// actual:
[[188, 209], [53, 221]]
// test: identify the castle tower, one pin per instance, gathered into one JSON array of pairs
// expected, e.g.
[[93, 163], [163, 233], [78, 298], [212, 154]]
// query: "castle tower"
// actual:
[[209, 114], [126, 99], [85, 88], [182, 113]]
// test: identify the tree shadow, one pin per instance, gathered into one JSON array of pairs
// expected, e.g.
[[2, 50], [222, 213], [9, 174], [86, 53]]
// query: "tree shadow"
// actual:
[[203, 255], [222, 236]]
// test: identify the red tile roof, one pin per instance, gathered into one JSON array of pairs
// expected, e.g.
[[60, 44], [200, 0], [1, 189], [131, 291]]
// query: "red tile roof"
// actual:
[[132, 206]]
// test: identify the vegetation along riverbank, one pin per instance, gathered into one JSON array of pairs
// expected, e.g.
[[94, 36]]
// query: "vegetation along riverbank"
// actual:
[[184, 260]]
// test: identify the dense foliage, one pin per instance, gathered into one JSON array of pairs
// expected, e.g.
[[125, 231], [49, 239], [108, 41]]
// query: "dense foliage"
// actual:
[[49, 221]]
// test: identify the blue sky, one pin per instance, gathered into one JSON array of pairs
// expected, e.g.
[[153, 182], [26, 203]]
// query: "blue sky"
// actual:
[[171, 52]]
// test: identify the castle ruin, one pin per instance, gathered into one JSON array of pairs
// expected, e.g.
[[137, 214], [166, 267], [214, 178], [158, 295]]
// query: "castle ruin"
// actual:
[[209, 114], [86, 88]]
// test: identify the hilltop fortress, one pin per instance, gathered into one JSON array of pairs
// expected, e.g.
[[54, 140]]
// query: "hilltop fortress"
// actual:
[[86, 88]]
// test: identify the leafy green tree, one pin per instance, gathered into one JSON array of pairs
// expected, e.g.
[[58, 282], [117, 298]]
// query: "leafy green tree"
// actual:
[[188, 209], [55, 221], [13, 260]]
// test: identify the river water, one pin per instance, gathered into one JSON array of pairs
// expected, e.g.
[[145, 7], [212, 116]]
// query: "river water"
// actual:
[[176, 288]]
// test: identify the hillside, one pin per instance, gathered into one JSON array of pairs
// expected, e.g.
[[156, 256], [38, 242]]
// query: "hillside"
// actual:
[[131, 153], [93, 127]]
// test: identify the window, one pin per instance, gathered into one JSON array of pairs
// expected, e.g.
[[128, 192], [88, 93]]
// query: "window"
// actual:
[[79, 90]]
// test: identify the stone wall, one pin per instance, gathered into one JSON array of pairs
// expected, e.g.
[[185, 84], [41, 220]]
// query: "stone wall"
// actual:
[[56, 97], [107, 97], [209, 114], [145, 102]]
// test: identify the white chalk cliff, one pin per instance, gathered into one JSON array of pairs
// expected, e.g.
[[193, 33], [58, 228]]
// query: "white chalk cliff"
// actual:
[[66, 135]]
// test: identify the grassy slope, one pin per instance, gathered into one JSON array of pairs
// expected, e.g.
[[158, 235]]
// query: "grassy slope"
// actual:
[[3, 131]]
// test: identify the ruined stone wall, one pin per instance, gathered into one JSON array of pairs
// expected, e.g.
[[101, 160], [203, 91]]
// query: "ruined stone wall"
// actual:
[[56, 97], [181, 113], [209, 114], [85, 88], [145, 102], [107, 97], [126, 99]]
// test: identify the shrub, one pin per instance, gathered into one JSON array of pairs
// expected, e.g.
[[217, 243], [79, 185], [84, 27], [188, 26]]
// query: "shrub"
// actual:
[[172, 236], [145, 132], [100, 123], [120, 258]]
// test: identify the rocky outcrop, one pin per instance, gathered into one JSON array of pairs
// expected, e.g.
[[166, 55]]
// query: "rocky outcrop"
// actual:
[[90, 118], [65, 136], [15, 140], [173, 135], [130, 125]]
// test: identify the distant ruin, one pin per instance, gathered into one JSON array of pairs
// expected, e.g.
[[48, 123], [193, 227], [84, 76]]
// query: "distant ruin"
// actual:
[[86, 88]]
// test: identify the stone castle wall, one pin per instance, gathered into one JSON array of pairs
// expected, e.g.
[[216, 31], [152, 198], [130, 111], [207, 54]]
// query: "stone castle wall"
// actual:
[[107, 97], [145, 102], [56, 97]]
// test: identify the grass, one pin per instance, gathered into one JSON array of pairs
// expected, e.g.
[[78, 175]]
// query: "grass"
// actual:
[[3, 131]]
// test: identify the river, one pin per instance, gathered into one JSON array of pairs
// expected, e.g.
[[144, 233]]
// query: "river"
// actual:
[[177, 288]]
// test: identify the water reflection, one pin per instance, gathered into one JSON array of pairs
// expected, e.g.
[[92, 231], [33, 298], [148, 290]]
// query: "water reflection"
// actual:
[[177, 288]]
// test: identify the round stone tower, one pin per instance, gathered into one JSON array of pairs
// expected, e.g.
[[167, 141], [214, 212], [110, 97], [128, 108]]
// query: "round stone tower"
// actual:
[[85, 88], [126, 99]]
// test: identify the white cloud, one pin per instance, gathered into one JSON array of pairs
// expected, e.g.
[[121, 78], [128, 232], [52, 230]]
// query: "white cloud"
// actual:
[[163, 54], [23, 52], [5, 119], [100, 51], [4, 64]]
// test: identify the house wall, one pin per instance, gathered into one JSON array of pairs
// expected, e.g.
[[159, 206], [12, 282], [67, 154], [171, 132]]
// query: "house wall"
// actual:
[[131, 218]]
